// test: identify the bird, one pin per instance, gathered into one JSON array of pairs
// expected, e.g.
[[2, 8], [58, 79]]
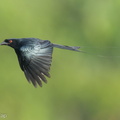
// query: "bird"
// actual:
[[35, 57]]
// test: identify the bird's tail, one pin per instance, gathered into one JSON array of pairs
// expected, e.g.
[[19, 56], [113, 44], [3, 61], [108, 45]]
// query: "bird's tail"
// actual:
[[74, 48]]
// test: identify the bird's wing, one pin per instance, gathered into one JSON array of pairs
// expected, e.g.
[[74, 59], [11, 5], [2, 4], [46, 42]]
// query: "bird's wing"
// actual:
[[36, 61]]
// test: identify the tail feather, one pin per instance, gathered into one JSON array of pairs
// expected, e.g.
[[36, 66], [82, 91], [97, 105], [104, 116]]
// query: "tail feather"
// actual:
[[74, 48]]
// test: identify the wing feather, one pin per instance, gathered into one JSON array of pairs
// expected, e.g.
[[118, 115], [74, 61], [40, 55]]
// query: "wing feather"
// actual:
[[36, 61], [29, 76], [40, 69]]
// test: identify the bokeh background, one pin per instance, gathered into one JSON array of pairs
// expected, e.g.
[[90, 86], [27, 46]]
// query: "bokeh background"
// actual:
[[83, 86]]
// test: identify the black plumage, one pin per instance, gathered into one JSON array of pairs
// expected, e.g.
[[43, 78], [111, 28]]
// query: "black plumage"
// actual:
[[35, 57]]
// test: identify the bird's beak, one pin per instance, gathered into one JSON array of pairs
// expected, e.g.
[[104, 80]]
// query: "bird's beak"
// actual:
[[3, 43]]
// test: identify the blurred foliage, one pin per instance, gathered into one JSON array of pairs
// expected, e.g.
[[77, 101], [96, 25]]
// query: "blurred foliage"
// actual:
[[83, 86]]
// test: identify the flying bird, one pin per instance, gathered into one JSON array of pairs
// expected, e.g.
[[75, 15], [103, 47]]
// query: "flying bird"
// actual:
[[35, 57]]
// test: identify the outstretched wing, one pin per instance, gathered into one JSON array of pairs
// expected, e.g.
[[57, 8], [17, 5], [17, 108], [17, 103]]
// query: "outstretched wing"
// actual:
[[35, 61]]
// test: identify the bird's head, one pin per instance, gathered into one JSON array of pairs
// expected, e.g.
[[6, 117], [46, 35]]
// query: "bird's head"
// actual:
[[14, 43]]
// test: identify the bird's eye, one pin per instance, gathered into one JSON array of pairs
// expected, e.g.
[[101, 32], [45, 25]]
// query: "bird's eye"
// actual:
[[10, 41]]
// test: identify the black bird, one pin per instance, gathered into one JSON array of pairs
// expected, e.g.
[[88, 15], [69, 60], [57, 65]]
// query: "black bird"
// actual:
[[35, 57]]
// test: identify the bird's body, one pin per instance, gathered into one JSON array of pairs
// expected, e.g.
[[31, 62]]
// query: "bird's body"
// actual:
[[35, 57]]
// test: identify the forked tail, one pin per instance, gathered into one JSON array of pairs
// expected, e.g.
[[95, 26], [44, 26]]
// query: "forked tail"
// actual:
[[74, 48]]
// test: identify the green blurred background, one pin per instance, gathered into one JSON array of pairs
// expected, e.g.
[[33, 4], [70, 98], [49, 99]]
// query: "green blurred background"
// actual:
[[82, 86]]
